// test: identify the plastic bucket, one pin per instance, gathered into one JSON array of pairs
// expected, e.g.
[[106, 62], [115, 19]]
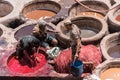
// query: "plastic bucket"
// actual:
[[76, 68]]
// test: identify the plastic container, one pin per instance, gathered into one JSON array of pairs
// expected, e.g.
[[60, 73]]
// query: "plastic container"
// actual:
[[76, 68]]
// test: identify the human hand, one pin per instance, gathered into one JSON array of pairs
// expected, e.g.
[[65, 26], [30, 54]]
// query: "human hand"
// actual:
[[37, 59], [76, 57]]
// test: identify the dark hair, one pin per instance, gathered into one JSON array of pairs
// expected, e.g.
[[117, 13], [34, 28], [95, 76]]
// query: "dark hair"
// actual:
[[42, 25], [27, 43]]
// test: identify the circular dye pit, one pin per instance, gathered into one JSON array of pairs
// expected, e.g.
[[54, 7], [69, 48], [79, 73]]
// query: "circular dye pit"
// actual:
[[92, 28], [43, 9], [5, 8], [99, 6], [109, 70], [114, 19], [22, 66], [110, 46], [26, 29]]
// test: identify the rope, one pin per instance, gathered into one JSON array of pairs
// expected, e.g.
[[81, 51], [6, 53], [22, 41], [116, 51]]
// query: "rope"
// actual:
[[94, 9]]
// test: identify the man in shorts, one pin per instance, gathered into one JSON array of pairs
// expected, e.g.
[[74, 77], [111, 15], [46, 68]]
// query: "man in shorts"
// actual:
[[75, 38], [46, 40]]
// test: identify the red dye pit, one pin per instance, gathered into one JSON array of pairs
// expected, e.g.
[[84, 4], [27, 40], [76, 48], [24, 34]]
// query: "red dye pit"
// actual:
[[16, 66]]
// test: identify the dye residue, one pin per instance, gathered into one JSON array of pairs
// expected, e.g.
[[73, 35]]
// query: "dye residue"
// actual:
[[118, 18], [22, 67], [36, 14], [114, 51], [91, 13], [111, 74]]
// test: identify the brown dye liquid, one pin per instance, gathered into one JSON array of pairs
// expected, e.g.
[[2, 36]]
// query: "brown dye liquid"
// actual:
[[111, 74], [36, 14], [118, 18], [91, 13], [114, 51]]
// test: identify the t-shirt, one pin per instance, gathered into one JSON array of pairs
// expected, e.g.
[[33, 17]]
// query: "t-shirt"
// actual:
[[75, 33]]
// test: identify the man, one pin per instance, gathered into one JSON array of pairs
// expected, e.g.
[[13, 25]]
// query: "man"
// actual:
[[26, 47], [75, 38], [40, 32]]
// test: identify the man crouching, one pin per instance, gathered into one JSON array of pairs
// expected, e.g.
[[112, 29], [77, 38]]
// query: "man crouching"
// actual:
[[26, 48]]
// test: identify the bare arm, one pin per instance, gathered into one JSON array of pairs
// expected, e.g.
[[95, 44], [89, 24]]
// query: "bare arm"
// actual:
[[26, 55], [78, 45], [78, 48]]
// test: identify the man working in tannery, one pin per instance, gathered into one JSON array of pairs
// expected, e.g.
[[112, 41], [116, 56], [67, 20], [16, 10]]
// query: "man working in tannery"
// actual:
[[75, 38], [25, 49], [46, 40]]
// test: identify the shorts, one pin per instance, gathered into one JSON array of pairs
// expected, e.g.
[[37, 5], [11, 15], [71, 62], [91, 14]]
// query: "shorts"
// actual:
[[47, 42]]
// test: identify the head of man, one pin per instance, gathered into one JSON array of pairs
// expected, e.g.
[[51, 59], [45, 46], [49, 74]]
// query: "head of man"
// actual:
[[39, 28], [68, 24]]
